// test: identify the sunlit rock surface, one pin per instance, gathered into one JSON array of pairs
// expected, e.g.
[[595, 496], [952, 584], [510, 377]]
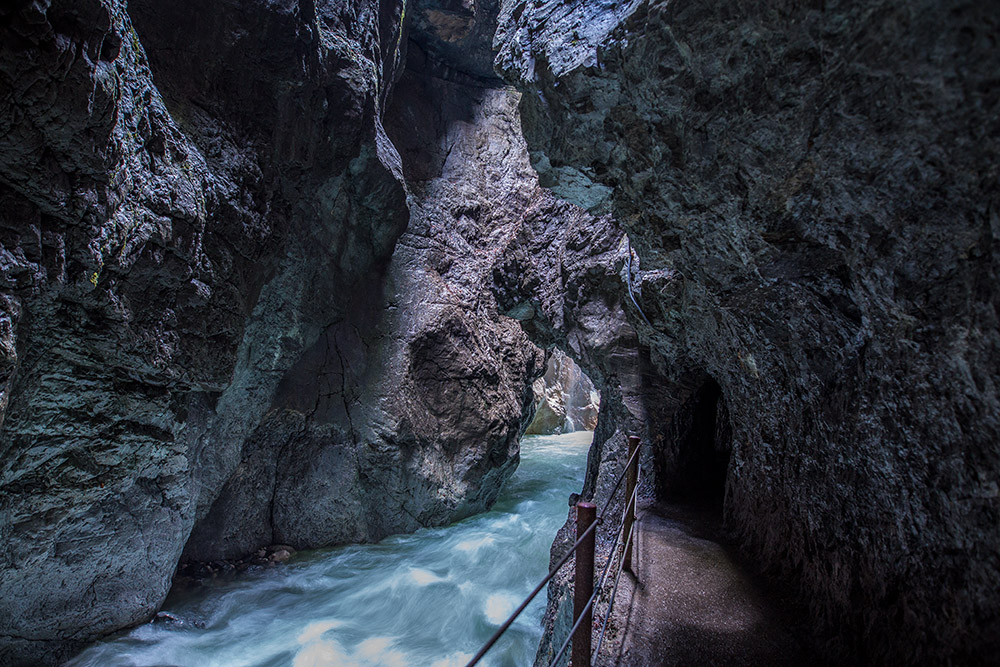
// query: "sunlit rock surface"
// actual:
[[565, 398], [407, 413], [812, 191]]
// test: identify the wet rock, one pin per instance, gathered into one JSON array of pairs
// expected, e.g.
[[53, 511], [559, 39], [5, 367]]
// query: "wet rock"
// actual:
[[210, 339], [171, 244], [811, 192], [173, 620], [280, 556], [565, 398], [457, 38]]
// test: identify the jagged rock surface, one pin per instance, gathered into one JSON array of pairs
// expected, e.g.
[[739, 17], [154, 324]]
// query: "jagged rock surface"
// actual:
[[170, 249], [563, 276], [565, 398], [201, 327], [407, 413], [812, 189], [457, 38]]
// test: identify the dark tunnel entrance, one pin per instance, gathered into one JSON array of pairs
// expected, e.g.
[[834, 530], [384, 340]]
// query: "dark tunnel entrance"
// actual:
[[696, 459]]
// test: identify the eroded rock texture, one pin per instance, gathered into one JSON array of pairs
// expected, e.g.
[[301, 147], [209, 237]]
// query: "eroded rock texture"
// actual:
[[407, 412], [204, 328], [564, 277], [173, 240], [565, 398], [812, 189]]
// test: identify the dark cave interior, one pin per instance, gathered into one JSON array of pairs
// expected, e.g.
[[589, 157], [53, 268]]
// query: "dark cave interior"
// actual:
[[699, 445]]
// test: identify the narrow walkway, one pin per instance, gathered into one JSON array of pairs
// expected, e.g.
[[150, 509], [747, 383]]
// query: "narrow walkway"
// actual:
[[691, 603]]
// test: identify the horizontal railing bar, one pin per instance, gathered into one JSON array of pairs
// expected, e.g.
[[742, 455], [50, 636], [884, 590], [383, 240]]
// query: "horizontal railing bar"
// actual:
[[614, 591], [621, 477]]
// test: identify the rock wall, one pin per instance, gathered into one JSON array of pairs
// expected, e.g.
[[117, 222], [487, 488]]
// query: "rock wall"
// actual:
[[565, 399], [811, 188], [406, 413], [563, 276], [173, 241], [208, 328]]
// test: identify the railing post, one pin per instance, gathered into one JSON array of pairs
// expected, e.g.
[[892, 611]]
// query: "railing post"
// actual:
[[583, 585], [630, 480]]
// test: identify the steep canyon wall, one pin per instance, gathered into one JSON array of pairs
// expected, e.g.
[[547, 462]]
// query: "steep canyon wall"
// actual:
[[812, 190], [215, 333], [173, 241]]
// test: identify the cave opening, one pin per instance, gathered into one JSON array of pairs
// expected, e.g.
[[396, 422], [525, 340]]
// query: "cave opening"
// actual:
[[696, 460]]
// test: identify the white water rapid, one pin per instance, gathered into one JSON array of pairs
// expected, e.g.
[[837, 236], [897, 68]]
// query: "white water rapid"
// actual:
[[429, 599]]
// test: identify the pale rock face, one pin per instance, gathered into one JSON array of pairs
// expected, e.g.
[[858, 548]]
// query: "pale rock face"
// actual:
[[565, 398]]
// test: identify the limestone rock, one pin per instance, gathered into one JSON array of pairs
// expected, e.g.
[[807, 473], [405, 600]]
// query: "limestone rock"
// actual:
[[811, 190], [565, 398], [210, 340], [174, 240]]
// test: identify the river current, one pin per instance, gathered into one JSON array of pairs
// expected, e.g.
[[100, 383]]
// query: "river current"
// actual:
[[431, 598]]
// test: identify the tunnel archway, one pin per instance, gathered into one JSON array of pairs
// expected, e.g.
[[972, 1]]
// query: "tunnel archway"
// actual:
[[695, 461]]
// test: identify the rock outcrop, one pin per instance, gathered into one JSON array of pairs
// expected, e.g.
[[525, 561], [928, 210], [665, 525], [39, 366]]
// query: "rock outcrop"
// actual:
[[174, 240], [208, 328], [407, 413], [215, 334], [564, 277], [565, 398], [812, 190]]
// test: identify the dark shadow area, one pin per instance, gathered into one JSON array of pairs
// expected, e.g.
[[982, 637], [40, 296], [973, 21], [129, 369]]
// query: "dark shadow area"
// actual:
[[695, 460], [423, 108]]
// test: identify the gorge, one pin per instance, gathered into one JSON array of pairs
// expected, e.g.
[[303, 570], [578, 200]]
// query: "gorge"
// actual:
[[285, 272]]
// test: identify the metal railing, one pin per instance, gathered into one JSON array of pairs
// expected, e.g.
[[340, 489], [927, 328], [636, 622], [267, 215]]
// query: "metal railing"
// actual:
[[584, 592]]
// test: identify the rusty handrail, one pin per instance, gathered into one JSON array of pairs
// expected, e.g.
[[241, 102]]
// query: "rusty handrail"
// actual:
[[618, 578], [580, 616], [587, 534]]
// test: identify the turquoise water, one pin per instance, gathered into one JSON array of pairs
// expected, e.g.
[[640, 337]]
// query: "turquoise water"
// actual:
[[427, 599]]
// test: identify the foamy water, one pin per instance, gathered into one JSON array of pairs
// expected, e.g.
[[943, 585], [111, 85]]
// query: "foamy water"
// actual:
[[431, 598]]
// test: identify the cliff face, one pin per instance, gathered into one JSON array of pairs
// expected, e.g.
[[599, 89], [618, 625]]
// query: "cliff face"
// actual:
[[812, 191], [407, 412], [563, 276], [173, 242], [565, 398], [210, 338]]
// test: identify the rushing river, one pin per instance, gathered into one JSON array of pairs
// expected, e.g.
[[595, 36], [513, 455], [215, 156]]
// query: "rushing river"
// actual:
[[431, 598]]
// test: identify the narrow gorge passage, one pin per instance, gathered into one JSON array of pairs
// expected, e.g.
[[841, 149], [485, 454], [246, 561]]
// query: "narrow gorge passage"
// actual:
[[286, 273], [430, 598]]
